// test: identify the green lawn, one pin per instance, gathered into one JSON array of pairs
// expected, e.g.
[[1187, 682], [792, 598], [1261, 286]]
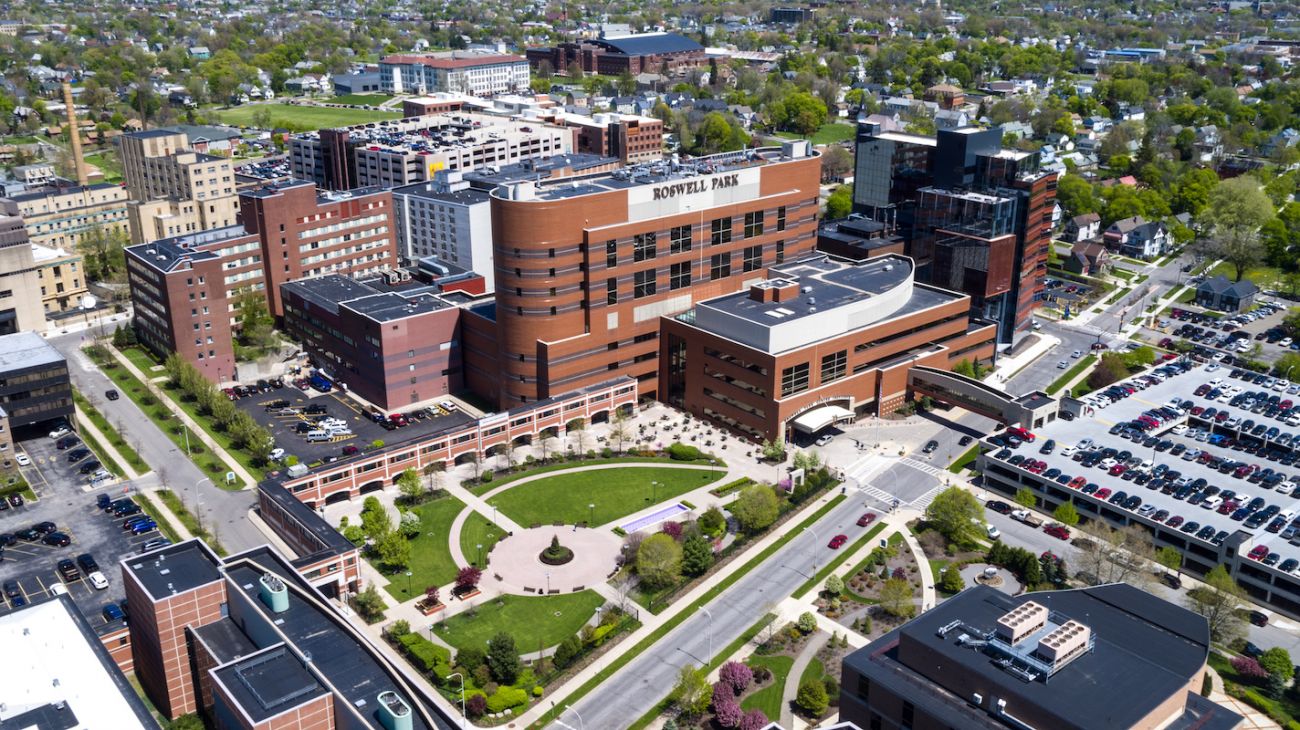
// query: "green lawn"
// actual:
[[478, 530], [107, 162], [771, 698], [499, 481], [615, 492], [298, 117], [431, 562], [1265, 277], [371, 99], [814, 670], [1071, 374], [965, 460], [828, 133], [20, 139], [142, 359], [114, 437], [533, 620]]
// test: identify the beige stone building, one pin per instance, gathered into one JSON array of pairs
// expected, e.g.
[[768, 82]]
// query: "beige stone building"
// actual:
[[20, 289], [175, 190], [59, 214], [62, 278]]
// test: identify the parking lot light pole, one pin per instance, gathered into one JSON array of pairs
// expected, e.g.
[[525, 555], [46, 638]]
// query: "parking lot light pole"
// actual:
[[461, 677], [818, 542], [408, 582], [198, 513], [591, 521]]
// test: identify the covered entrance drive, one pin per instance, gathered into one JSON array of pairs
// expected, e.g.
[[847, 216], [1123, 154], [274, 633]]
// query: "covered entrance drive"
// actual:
[[819, 417]]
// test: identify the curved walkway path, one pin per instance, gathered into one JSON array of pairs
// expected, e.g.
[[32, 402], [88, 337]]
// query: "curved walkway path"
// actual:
[[801, 663]]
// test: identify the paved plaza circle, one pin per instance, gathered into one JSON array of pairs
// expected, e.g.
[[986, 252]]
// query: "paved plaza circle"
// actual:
[[515, 564]]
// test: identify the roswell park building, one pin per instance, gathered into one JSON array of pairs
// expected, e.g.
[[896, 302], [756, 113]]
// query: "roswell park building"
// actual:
[[699, 281]]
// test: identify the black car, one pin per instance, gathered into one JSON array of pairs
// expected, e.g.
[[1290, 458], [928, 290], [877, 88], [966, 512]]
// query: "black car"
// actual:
[[315, 408], [90, 466], [67, 442], [103, 501], [87, 562], [965, 440], [931, 446], [29, 534], [15, 500], [77, 455], [7, 539], [998, 506], [111, 394], [57, 539], [45, 527], [68, 570]]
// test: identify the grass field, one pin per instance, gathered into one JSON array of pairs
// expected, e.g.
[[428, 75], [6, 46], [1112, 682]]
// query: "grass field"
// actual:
[[615, 492], [296, 117], [828, 133], [965, 460], [770, 698], [431, 562], [107, 162], [478, 530], [20, 139], [533, 620], [371, 99], [1265, 277], [1070, 374]]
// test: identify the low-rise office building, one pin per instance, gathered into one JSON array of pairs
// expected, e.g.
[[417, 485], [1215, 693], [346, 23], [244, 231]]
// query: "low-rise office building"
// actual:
[[22, 307], [392, 341], [629, 137], [816, 342], [57, 673], [405, 151], [248, 642], [1097, 658], [461, 72], [34, 383]]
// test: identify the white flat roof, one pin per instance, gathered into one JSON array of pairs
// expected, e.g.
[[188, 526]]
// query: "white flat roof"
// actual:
[[48, 660]]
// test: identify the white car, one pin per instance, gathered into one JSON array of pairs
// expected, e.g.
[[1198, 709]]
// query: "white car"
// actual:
[[822, 441], [1062, 365], [1180, 429], [277, 454], [994, 533], [98, 580], [1076, 354], [58, 589], [59, 433], [22, 459]]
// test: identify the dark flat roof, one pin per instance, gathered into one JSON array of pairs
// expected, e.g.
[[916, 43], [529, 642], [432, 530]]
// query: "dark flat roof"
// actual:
[[173, 569], [372, 298], [269, 682], [468, 196], [310, 520], [648, 44], [166, 253], [1146, 651], [225, 640]]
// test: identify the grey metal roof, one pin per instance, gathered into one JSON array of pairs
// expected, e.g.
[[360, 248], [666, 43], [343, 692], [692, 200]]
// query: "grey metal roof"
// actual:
[[649, 44]]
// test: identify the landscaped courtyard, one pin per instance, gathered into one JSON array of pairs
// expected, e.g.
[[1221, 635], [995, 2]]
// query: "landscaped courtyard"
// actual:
[[535, 621], [616, 493], [431, 561]]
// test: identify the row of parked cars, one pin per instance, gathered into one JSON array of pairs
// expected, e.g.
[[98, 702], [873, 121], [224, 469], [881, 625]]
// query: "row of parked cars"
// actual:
[[1123, 389], [136, 522], [235, 392], [46, 533]]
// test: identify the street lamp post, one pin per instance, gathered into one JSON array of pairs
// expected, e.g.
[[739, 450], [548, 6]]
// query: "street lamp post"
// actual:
[[815, 544], [654, 491], [198, 513], [408, 582], [706, 612], [591, 520], [569, 708], [548, 583], [461, 677], [480, 554]]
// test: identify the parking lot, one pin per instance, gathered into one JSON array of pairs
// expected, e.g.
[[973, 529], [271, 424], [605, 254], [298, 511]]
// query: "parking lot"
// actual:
[[288, 425], [1162, 501], [66, 500]]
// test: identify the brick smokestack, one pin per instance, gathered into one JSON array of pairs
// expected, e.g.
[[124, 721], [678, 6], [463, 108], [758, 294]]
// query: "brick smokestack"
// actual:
[[75, 133]]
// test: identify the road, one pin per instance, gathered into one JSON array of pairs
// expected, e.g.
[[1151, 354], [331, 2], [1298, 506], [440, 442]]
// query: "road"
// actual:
[[232, 528], [637, 687]]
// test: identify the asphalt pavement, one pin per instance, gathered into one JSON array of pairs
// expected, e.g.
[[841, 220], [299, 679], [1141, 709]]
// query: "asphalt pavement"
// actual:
[[642, 683], [226, 512]]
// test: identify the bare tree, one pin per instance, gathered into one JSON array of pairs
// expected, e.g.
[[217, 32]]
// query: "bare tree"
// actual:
[[1117, 556], [618, 429]]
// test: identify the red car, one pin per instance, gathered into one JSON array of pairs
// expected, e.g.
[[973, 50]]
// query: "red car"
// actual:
[[1258, 552], [837, 541], [1057, 531], [230, 393], [866, 519], [1077, 483], [350, 450], [1102, 493], [1117, 470]]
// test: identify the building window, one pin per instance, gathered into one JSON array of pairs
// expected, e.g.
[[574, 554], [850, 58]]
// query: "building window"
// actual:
[[643, 246], [753, 259], [611, 254], [864, 687], [780, 252], [611, 291], [909, 714], [794, 379], [834, 365], [780, 218], [753, 224], [720, 231], [679, 239], [720, 266], [679, 275], [645, 284]]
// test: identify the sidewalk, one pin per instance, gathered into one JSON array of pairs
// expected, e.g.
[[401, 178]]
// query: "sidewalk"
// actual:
[[195, 429], [88, 426], [1009, 366]]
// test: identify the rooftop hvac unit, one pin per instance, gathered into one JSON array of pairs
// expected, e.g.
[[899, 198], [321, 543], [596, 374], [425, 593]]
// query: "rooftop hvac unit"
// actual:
[[273, 593]]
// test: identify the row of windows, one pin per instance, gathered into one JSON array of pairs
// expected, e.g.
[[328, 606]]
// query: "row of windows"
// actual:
[[680, 240]]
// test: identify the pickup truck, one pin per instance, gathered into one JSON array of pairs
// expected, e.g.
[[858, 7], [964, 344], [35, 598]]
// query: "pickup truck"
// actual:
[[1027, 517]]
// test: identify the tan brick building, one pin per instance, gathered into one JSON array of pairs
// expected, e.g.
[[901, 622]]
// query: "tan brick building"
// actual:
[[62, 278], [175, 190]]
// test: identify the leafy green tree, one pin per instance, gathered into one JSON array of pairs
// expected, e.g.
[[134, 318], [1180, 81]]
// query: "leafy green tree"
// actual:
[[712, 522], [896, 598], [1277, 662], [1066, 514], [807, 623], [1170, 558], [756, 508], [834, 585], [840, 203], [950, 581], [369, 604], [394, 550], [812, 697], [1025, 498], [503, 658], [567, 651], [697, 555], [659, 561], [692, 692], [1076, 195], [773, 450], [957, 515], [408, 483], [1217, 601]]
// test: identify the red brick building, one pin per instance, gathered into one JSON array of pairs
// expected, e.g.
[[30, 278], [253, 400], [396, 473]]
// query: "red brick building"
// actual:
[[185, 288], [819, 341], [634, 54], [585, 267]]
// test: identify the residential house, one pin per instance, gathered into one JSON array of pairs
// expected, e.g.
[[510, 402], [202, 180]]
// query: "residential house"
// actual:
[[1086, 227], [200, 53], [951, 119], [1209, 143], [1087, 258], [1137, 237], [1225, 295]]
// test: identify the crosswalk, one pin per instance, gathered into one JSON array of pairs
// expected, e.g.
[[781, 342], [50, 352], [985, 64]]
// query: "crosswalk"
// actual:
[[930, 469], [862, 474]]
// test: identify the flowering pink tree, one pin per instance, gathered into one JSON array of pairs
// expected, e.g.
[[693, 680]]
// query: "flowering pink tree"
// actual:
[[753, 720], [736, 675], [1248, 667], [467, 578], [672, 529], [727, 711]]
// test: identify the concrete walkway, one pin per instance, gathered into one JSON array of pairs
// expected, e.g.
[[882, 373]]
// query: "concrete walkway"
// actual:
[[196, 430], [928, 595], [1253, 718], [85, 425], [801, 663]]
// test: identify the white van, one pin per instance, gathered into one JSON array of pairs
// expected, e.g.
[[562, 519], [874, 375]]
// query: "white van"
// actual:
[[317, 436]]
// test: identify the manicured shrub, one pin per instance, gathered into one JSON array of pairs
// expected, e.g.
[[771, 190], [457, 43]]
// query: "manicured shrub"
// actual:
[[736, 675], [476, 705], [682, 452], [672, 529], [727, 712], [754, 720], [1248, 667], [505, 698], [807, 622], [812, 697]]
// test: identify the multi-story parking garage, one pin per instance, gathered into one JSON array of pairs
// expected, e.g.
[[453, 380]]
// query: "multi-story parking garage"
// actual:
[[1185, 511]]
